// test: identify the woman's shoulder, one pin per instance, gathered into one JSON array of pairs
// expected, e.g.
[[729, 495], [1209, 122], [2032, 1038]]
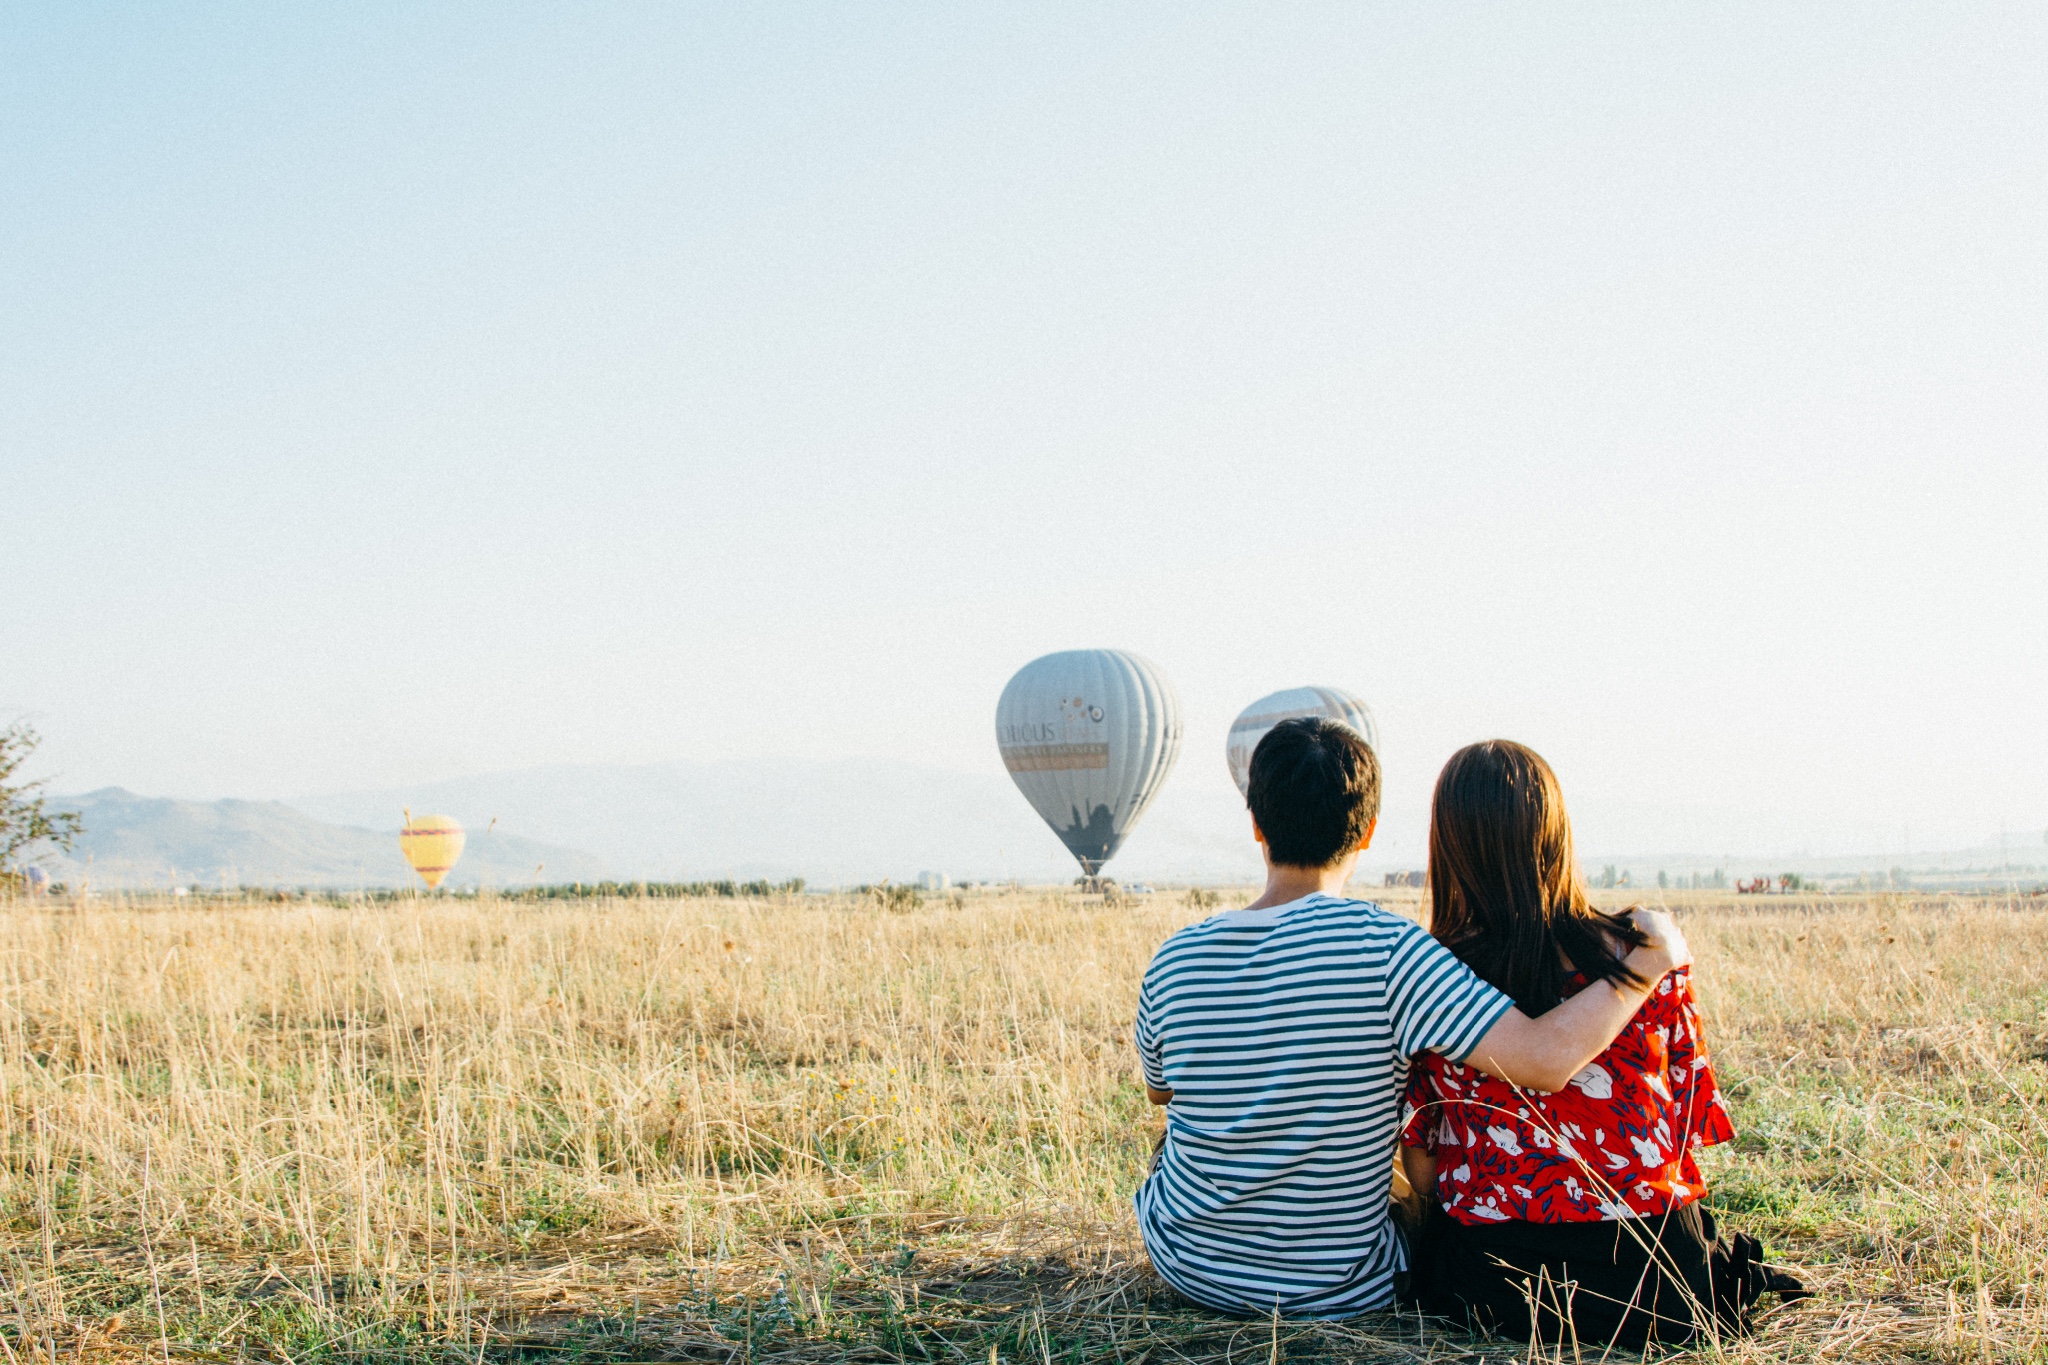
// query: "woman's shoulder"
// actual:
[[1674, 985]]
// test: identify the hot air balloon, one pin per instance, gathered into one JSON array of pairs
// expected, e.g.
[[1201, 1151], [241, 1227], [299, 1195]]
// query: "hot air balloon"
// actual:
[[1088, 736], [1251, 725], [431, 844]]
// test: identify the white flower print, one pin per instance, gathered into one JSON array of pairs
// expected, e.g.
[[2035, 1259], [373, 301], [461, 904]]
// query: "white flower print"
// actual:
[[1596, 1081]]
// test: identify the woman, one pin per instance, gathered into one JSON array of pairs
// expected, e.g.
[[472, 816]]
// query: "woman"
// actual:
[[1578, 1215]]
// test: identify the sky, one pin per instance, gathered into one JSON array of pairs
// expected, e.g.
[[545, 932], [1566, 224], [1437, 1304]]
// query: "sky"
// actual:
[[391, 394]]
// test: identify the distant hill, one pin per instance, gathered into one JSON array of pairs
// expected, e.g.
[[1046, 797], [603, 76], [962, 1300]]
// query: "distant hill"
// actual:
[[832, 823], [143, 841]]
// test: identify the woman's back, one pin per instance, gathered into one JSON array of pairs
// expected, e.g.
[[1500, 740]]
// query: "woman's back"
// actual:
[[1618, 1142]]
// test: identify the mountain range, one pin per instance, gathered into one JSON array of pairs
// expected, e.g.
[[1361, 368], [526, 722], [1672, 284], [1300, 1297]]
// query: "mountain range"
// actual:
[[832, 823], [145, 841]]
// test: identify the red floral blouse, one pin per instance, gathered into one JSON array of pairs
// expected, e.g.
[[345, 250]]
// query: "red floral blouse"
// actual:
[[1617, 1142]]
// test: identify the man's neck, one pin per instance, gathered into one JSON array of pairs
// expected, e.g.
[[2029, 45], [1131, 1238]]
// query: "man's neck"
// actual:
[[1285, 883]]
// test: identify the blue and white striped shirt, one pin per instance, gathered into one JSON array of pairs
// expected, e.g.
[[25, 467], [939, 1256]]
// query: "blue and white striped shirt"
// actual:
[[1284, 1035]]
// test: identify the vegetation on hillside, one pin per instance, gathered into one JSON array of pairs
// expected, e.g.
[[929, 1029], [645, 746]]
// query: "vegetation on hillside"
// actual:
[[27, 824]]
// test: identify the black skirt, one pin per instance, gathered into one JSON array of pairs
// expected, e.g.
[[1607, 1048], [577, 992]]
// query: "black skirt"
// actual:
[[1668, 1278]]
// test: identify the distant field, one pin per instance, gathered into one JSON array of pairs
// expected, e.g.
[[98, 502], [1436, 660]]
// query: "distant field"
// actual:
[[804, 1129]]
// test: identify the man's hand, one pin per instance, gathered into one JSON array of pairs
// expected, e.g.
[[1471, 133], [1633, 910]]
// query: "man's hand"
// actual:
[[1420, 1169], [1667, 949], [1158, 1096]]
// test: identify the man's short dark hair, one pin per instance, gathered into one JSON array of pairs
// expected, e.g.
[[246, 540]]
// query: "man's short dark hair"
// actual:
[[1315, 788]]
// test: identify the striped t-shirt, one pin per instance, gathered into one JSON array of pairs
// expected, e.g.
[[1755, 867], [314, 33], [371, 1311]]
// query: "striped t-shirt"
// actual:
[[1284, 1035]]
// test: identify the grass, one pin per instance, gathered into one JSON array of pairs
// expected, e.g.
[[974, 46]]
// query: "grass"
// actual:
[[792, 1129]]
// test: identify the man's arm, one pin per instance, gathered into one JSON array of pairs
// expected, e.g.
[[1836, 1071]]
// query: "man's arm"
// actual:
[[1545, 1053], [1158, 1096]]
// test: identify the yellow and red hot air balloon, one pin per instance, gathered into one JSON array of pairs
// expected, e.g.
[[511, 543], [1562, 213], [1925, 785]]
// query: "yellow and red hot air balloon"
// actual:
[[431, 844]]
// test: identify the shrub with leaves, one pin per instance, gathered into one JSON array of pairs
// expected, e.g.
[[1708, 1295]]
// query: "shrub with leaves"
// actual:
[[27, 824]]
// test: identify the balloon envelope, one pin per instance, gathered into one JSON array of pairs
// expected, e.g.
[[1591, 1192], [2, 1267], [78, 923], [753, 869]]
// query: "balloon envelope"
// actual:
[[1088, 736], [431, 844], [1251, 725]]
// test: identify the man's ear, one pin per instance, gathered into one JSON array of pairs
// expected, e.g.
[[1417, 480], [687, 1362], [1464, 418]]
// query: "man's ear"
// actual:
[[1258, 835], [1365, 841]]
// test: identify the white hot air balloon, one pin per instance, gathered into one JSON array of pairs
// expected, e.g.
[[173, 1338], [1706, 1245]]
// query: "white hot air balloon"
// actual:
[[1251, 725], [1089, 736]]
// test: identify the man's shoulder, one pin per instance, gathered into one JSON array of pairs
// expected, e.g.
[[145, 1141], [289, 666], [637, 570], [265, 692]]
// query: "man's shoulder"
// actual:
[[1334, 919], [1351, 907], [1320, 915]]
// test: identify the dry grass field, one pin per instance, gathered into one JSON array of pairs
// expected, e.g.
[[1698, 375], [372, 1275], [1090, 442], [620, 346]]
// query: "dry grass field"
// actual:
[[812, 1129]]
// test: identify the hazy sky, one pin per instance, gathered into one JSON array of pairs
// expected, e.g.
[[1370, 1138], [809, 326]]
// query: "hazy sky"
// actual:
[[388, 396]]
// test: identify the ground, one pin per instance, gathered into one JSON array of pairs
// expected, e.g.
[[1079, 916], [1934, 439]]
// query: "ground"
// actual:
[[833, 1128]]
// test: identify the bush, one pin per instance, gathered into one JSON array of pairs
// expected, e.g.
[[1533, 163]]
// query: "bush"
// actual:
[[26, 821], [889, 896], [725, 887]]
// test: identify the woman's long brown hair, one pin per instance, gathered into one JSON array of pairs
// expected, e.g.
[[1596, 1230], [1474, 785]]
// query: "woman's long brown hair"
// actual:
[[1504, 888]]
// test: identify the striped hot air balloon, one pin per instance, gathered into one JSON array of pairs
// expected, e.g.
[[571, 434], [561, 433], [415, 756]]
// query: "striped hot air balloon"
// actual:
[[1251, 725], [1089, 736], [431, 844]]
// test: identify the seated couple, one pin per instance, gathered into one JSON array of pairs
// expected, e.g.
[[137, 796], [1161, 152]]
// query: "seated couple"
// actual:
[[1540, 1061]]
